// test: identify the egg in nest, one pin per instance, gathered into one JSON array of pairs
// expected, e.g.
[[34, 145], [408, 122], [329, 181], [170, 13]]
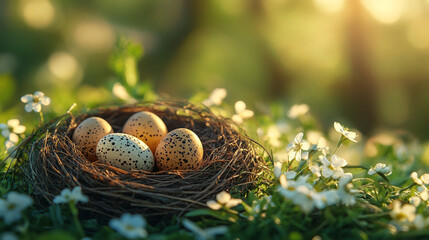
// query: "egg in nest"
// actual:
[[125, 152], [147, 127], [180, 149], [88, 133]]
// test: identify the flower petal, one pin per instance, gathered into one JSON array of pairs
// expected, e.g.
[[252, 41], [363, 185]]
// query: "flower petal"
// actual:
[[223, 197], [240, 106], [233, 202], [29, 107], [37, 107], [5, 133], [45, 101], [13, 123], [19, 129], [298, 138], [425, 178], [27, 98], [338, 127], [39, 94], [214, 205], [247, 113], [13, 138]]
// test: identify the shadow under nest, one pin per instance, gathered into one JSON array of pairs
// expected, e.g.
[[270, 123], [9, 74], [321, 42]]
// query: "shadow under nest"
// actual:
[[230, 161]]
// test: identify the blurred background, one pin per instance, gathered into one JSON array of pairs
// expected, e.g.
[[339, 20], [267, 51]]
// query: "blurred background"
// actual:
[[364, 62]]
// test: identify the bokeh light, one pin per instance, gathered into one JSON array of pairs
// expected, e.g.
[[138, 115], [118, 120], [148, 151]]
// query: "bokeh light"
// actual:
[[37, 13]]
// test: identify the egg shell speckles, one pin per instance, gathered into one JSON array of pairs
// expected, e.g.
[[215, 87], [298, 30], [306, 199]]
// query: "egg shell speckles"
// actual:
[[180, 149], [88, 133], [125, 152], [147, 127]]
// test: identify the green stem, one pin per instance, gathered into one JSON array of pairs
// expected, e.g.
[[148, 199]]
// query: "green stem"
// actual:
[[76, 221], [356, 166], [406, 188], [41, 117]]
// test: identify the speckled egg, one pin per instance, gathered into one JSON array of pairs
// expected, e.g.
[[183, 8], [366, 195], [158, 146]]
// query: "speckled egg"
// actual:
[[180, 149], [147, 127], [88, 133], [125, 152]]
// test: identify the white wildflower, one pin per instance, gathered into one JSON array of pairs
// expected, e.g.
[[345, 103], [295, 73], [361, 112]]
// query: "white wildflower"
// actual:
[[380, 168], [288, 188], [35, 101], [345, 132], [423, 193], [315, 169], [11, 208], [129, 226], [329, 198], [272, 135], [71, 196], [9, 146], [345, 190], [223, 199], [333, 168], [241, 112], [298, 110], [204, 234], [305, 198], [405, 213], [296, 147], [419, 222], [216, 97], [290, 175], [424, 179], [11, 129], [415, 201], [277, 168]]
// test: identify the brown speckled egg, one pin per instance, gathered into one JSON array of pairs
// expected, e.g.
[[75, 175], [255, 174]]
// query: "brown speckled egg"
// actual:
[[125, 152], [180, 149], [147, 127], [88, 133]]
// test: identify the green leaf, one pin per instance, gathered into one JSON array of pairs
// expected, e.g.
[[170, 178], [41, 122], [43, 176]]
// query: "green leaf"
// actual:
[[56, 215]]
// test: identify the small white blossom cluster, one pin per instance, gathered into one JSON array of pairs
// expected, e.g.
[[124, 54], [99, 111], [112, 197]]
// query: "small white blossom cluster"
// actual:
[[303, 194], [12, 206], [241, 113], [272, 135], [130, 226], [11, 131], [216, 97], [223, 199], [345, 132], [330, 167], [422, 193], [71, 196], [298, 110], [405, 218], [380, 168]]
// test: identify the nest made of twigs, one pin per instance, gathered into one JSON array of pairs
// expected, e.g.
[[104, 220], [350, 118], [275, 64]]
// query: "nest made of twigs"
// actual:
[[54, 162]]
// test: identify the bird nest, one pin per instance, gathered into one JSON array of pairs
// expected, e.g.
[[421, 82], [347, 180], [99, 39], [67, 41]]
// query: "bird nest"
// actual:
[[230, 163]]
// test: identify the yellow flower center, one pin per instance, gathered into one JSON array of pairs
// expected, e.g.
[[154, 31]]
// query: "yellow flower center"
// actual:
[[11, 206]]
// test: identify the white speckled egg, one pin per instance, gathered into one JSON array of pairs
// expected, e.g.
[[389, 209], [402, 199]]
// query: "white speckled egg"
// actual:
[[125, 152], [147, 127], [88, 133], [180, 149]]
